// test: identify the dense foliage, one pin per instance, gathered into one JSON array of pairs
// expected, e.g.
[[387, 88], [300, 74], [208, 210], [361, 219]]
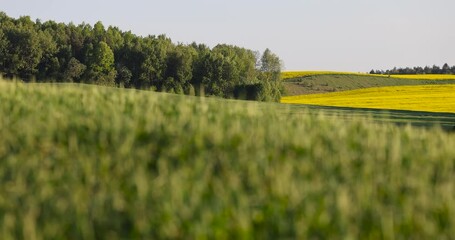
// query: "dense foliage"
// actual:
[[445, 69], [49, 51], [90, 162]]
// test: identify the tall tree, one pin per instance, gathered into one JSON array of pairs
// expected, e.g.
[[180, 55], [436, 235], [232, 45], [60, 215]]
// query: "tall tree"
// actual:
[[3, 48], [24, 51], [114, 38], [99, 33], [270, 66], [445, 69], [101, 65], [155, 51], [179, 67]]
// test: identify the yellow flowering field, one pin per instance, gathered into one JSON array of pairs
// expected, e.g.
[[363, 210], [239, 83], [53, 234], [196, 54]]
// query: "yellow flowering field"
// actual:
[[296, 74], [431, 98]]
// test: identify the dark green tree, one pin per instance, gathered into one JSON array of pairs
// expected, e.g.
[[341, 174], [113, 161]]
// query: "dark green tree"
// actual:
[[155, 51], [74, 71], [124, 76], [445, 69], [179, 67], [3, 49], [49, 65], [24, 52]]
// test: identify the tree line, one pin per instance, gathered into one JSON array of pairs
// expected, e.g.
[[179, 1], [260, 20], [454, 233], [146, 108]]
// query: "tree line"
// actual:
[[445, 69], [57, 52]]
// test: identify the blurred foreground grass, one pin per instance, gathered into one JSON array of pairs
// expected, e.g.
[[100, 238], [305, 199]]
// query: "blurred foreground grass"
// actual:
[[88, 162]]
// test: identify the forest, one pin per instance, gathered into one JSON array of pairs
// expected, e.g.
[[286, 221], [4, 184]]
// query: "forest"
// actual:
[[37, 51], [445, 69]]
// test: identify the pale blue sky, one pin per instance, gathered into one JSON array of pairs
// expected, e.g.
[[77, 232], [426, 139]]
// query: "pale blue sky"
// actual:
[[346, 35]]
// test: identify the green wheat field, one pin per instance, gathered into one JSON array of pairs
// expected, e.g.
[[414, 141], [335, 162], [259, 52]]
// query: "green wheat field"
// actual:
[[91, 162]]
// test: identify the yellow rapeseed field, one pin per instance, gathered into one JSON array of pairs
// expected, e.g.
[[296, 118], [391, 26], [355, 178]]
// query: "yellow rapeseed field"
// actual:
[[296, 74], [431, 98]]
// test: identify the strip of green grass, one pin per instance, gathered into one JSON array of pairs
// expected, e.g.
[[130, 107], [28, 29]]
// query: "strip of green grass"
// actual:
[[302, 74], [87, 162], [335, 83], [445, 121]]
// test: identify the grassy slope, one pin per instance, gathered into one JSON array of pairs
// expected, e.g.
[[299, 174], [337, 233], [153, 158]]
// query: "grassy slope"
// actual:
[[92, 162], [299, 74], [335, 83]]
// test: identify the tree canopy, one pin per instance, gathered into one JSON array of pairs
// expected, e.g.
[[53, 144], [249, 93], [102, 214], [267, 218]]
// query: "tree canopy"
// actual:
[[446, 69], [57, 52]]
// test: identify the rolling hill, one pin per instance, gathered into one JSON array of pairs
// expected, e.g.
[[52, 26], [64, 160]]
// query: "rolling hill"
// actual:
[[331, 82]]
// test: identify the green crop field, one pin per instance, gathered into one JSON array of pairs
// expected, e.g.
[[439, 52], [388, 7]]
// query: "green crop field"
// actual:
[[90, 162]]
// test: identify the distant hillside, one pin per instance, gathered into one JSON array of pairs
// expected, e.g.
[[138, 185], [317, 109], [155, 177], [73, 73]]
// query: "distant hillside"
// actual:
[[329, 82], [285, 75], [298, 74]]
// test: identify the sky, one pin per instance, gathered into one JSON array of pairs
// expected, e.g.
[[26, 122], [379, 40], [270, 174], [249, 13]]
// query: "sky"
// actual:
[[339, 35]]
